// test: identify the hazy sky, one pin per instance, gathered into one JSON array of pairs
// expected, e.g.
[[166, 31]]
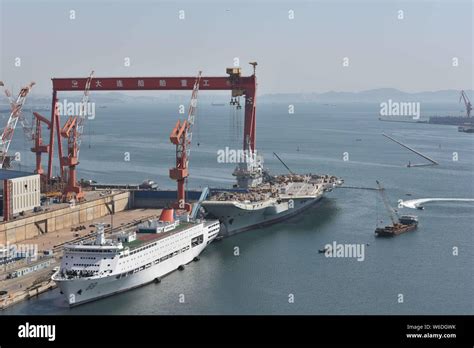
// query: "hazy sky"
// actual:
[[304, 54]]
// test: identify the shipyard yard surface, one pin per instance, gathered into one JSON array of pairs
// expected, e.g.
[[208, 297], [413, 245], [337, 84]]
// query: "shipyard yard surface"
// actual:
[[283, 259]]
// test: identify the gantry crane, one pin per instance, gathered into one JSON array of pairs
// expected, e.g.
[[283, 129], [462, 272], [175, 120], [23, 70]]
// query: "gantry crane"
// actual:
[[72, 132], [467, 103], [15, 115], [181, 136]]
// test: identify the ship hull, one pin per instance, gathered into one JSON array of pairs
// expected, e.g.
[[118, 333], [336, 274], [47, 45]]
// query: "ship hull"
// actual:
[[448, 120], [80, 291], [234, 219], [390, 232]]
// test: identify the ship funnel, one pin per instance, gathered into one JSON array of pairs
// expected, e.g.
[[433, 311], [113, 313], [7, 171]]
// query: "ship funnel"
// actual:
[[100, 237], [167, 215]]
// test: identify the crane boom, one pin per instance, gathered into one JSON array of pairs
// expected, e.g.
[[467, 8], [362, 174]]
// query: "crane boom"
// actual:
[[392, 213], [192, 114], [72, 131], [15, 115], [467, 103], [83, 112], [181, 136]]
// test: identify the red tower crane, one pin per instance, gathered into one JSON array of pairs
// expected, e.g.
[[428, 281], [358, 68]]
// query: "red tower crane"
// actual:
[[38, 146], [467, 103], [69, 131], [72, 131], [181, 136]]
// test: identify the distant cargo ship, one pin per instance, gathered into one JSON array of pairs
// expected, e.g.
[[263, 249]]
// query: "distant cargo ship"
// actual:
[[105, 267], [261, 199], [466, 128], [448, 120], [402, 119]]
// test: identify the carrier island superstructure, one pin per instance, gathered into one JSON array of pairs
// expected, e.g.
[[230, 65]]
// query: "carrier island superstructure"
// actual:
[[261, 199]]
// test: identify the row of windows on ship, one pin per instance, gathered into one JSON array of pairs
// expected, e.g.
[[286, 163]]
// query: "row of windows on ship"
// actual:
[[152, 245], [194, 242]]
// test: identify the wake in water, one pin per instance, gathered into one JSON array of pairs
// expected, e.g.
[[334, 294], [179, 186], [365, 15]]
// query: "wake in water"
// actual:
[[416, 203]]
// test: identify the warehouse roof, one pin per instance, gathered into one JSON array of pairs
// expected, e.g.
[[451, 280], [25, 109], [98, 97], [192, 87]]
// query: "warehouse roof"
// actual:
[[12, 174]]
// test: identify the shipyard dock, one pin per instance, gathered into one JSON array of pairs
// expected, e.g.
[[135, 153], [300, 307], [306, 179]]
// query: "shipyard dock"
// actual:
[[46, 233]]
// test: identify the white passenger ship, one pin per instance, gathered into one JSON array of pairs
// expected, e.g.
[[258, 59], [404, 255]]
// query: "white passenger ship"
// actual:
[[104, 267]]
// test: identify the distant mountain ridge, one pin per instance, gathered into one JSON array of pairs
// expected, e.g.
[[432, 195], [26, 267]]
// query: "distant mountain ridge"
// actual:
[[372, 95]]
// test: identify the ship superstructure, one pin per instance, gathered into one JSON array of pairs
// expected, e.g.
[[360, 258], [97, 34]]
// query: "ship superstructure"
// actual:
[[261, 199]]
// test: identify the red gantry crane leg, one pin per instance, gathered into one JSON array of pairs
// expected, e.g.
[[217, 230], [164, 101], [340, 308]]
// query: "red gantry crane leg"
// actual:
[[181, 136]]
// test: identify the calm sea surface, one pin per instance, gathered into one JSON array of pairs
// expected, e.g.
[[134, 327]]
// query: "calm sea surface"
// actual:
[[280, 260]]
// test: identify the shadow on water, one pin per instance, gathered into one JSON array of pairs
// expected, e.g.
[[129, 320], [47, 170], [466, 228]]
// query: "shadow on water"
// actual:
[[316, 217], [313, 219]]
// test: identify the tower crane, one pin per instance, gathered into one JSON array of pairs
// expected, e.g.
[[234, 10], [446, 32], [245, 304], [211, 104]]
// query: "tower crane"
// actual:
[[33, 133], [72, 131], [181, 136], [38, 146], [467, 103], [15, 115]]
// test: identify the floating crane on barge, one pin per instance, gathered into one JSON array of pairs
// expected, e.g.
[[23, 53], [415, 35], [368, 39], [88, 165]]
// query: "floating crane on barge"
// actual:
[[400, 224]]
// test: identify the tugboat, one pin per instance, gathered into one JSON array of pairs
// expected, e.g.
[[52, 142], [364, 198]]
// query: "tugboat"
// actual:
[[400, 224]]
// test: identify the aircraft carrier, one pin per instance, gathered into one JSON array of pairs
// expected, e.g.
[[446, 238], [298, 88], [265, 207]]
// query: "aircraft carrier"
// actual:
[[260, 199]]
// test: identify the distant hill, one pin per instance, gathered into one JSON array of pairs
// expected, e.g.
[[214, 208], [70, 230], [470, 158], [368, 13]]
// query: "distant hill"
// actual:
[[372, 95], [369, 96]]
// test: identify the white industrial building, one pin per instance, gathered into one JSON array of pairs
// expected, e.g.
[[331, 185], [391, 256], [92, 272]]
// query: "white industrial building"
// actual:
[[21, 192]]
